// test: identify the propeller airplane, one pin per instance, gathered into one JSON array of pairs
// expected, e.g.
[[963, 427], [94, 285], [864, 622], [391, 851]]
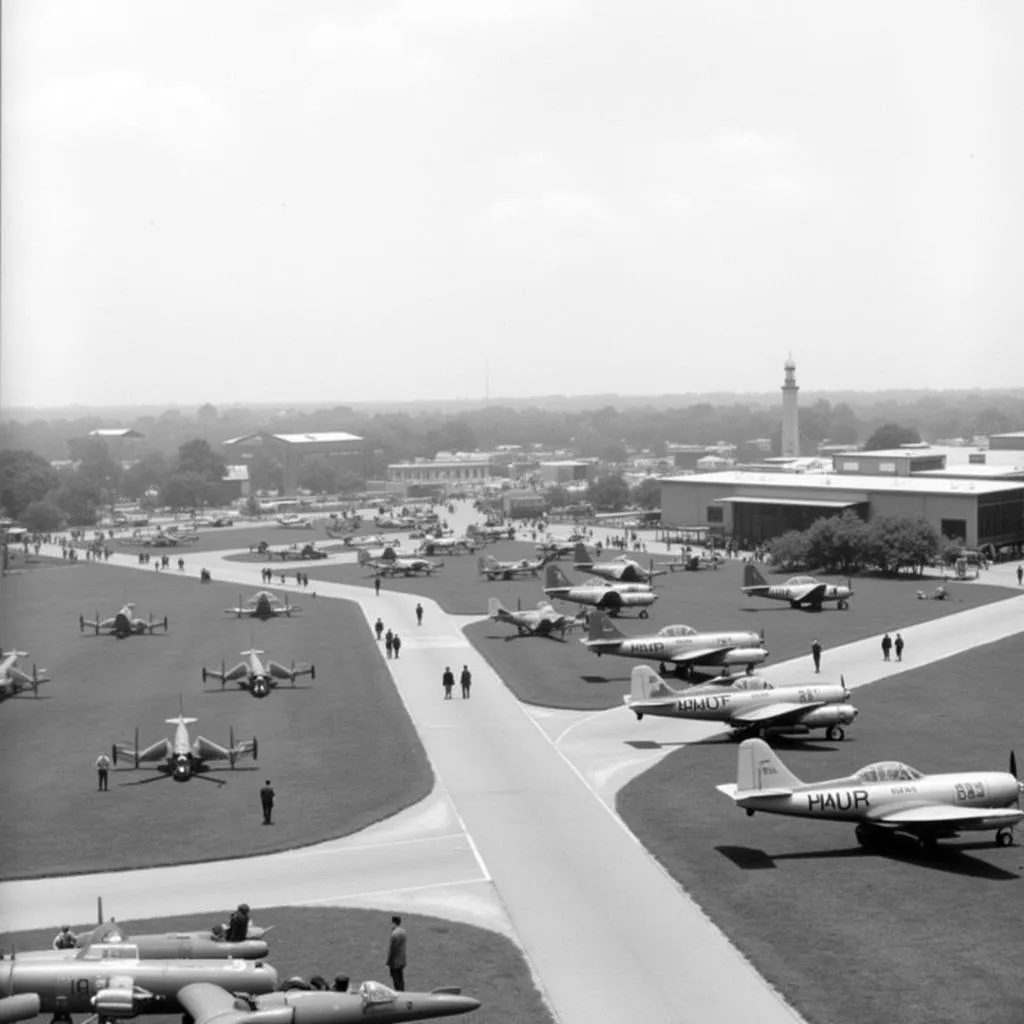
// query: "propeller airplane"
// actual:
[[609, 597], [264, 605], [13, 681], [124, 624], [799, 591], [256, 676]]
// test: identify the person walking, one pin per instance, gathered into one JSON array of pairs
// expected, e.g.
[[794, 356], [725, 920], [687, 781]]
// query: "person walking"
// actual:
[[378, 628], [396, 954], [396, 644], [816, 655], [376, 585], [267, 800], [1020, 575], [886, 646], [465, 681], [448, 682], [389, 639], [898, 644], [102, 771], [419, 614]]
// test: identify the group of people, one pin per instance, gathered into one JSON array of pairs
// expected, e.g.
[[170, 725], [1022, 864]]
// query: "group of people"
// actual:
[[301, 578], [392, 641], [889, 644], [448, 682]]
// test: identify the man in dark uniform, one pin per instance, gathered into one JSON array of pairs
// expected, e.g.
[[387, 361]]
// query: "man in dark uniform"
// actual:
[[378, 628], [267, 799], [448, 682], [396, 644], [816, 655], [899, 647], [376, 585], [238, 925], [886, 646], [465, 681], [419, 614], [396, 954]]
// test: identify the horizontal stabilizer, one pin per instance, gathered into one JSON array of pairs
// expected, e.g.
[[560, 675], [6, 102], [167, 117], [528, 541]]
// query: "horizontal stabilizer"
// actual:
[[731, 790]]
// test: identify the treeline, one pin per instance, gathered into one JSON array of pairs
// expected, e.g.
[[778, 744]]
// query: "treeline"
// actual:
[[846, 544], [603, 432]]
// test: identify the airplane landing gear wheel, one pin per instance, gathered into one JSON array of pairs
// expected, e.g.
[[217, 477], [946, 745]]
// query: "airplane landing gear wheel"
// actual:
[[643, 613], [842, 606], [1004, 837], [835, 732]]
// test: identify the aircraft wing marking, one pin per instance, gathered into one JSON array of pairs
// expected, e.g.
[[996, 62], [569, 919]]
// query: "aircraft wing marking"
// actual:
[[776, 711], [947, 814], [204, 1002], [815, 593]]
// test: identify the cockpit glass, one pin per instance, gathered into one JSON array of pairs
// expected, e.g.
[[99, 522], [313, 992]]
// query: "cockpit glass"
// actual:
[[800, 581], [115, 951], [676, 631], [376, 992], [888, 771]]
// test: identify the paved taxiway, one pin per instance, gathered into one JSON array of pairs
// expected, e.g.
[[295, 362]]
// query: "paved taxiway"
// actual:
[[524, 802]]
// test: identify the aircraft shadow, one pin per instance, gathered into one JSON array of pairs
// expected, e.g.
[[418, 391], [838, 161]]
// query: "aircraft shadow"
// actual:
[[801, 743], [26, 696], [948, 859], [655, 745], [239, 689]]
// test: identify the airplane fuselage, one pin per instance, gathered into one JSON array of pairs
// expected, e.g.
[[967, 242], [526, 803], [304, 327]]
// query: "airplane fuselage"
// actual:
[[725, 706], [799, 596], [744, 648]]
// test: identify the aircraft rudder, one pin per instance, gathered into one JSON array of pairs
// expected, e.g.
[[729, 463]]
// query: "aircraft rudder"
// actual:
[[580, 554], [758, 767], [641, 682], [752, 576]]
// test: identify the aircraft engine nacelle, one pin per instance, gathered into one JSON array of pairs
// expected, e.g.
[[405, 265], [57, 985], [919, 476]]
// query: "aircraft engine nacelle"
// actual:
[[260, 687], [120, 1002], [182, 769], [831, 714], [745, 656]]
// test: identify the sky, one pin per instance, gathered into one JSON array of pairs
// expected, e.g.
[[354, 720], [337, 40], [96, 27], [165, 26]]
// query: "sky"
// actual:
[[324, 201]]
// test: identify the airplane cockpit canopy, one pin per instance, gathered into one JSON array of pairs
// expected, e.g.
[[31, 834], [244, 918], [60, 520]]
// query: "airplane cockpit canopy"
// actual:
[[374, 992], [110, 951], [677, 631], [750, 683], [801, 581], [888, 771]]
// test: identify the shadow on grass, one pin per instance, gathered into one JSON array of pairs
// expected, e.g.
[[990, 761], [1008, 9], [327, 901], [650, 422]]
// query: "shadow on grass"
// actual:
[[655, 745]]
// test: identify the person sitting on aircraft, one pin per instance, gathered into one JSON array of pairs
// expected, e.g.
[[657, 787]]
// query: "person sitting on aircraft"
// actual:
[[318, 983], [341, 982], [65, 938], [238, 926], [217, 933], [296, 984]]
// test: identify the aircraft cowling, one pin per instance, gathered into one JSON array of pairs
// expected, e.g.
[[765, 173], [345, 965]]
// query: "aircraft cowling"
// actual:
[[831, 714], [23, 1007], [182, 770], [260, 687], [745, 656], [120, 1002]]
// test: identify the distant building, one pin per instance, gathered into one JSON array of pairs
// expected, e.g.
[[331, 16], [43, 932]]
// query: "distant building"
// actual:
[[685, 456], [522, 504], [566, 471], [121, 442], [790, 411], [443, 476], [345, 451]]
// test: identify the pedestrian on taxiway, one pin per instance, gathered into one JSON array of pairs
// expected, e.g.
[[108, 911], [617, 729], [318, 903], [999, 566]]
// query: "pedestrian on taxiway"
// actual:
[[396, 954], [376, 585], [267, 800], [396, 644], [886, 646], [389, 641], [448, 682], [899, 647], [1020, 575], [816, 655], [102, 771], [465, 681], [378, 628], [419, 614]]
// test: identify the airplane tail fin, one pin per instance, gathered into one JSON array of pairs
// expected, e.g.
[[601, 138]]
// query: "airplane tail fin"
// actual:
[[759, 768], [495, 609], [483, 563], [646, 684], [580, 555], [602, 628], [752, 576], [554, 577]]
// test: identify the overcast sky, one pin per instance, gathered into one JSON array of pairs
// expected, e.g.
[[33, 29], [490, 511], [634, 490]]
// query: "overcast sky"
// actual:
[[337, 200]]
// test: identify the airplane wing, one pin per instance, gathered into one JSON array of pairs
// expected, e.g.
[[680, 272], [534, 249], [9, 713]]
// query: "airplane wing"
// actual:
[[947, 815], [778, 712], [158, 751], [813, 593], [707, 655], [204, 1002], [207, 750]]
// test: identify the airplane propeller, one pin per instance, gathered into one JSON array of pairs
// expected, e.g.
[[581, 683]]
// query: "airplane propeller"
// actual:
[[1013, 772], [231, 746]]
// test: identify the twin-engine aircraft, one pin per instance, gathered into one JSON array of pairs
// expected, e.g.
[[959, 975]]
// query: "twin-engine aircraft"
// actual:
[[495, 570], [609, 597], [295, 522], [181, 757], [543, 620], [748, 704], [256, 676], [883, 799], [799, 591], [681, 646], [392, 564], [125, 623], [13, 681], [264, 605], [621, 569]]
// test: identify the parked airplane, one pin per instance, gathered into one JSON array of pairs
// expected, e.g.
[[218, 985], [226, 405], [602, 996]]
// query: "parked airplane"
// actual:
[[619, 570], [264, 605], [543, 620], [124, 623], [295, 552], [295, 522], [799, 591], [691, 561], [447, 546], [493, 569], [488, 532], [748, 704], [182, 757], [366, 540], [13, 681], [555, 546], [883, 798], [681, 646], [390, 564], [111, 981], [255, 676], [609, 597]]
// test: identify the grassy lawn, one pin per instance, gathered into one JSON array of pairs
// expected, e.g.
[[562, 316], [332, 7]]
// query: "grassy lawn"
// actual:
[[848, 936], [314, 741], [486, 965]]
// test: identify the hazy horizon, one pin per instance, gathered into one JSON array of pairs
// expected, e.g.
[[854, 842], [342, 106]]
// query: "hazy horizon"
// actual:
[[331, 204]]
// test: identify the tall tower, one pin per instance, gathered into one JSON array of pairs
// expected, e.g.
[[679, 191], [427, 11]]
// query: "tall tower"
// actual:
[[790, 415]]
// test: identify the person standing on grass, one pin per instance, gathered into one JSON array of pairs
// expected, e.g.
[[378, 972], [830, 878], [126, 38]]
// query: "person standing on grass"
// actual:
[[816, 655], [267, 800], [102, 771], [899, 647], [396, 954]]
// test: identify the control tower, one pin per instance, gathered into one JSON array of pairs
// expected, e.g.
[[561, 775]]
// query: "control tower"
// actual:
[[790, 415]]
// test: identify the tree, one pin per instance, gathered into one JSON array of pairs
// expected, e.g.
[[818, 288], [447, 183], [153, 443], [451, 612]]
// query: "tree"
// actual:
[[895, 542], [197, 456], [187, 489], [647, 493], [891, 435], [42, 516], [207, 414], [79, 498], [24, 477], [836, 543], [609, 492], [151, 470], [96, 464], [788, 551]]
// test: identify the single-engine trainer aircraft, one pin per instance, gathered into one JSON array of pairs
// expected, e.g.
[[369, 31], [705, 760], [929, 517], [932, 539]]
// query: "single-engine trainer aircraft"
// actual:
[[609, 597], [883, 799], [181, 757], [495, 570], [540, 621], [13, 681], [681, 646], [392, 564], [256, 676], [619, 570], [111, 981], [264, 605], [748, 704], [124, 623], [799, 591]]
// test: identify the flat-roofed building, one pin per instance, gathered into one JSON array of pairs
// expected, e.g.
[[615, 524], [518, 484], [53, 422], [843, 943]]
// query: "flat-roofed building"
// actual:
[[566, 471], [346, 451], [754, 507], [889, 461], [441, 476], [1013, 441]]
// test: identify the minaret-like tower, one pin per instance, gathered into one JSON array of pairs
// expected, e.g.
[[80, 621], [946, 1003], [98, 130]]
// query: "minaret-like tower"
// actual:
[[790, 415]]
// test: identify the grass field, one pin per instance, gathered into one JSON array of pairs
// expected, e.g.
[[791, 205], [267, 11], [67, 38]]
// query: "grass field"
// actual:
[[849, 936], [486, 965], [341, 751]]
